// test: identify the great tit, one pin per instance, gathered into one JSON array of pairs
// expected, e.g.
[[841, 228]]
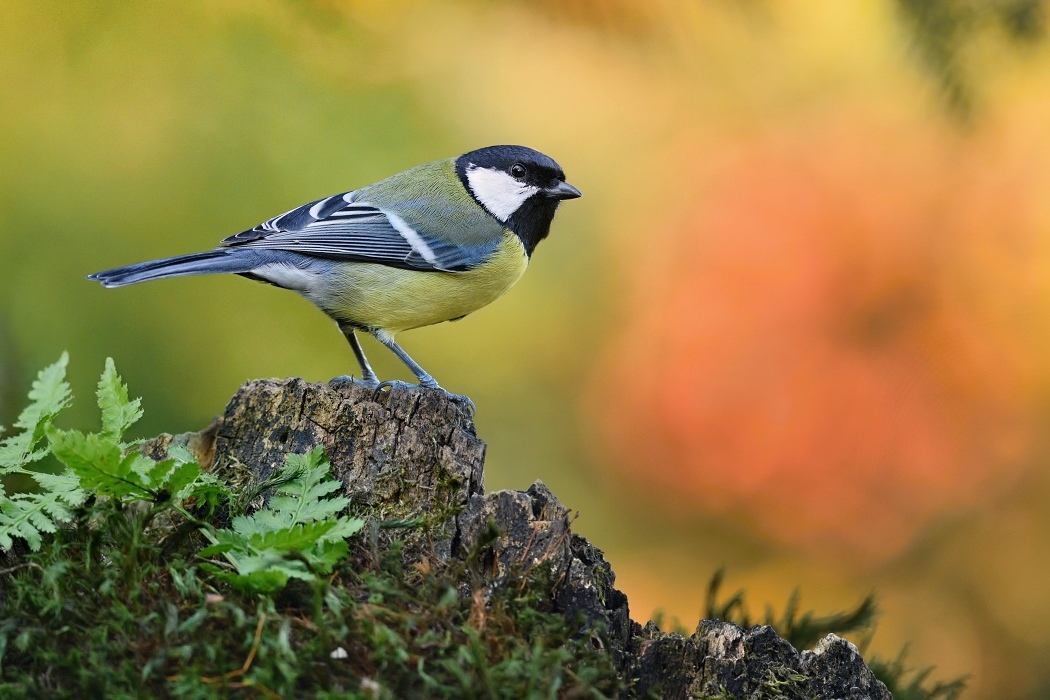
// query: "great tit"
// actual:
[[430, 244]]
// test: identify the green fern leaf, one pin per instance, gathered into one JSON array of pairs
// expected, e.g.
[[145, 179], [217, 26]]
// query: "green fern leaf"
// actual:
[[48, 396], [174, 474], [66, 485], [298, 538], [25, 529], [154, 474], [328, 553], [58, 510], [182, 476], [118, 413], [98, 461], [207, 490], [27, 515], [225, 541], [303, 499], [297, 535], [344, 528]]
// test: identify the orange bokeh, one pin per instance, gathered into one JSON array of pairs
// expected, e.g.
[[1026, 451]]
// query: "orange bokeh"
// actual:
[[832, 342]]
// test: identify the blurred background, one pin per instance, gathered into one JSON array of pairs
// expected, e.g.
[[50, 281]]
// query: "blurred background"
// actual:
[[798, 326]]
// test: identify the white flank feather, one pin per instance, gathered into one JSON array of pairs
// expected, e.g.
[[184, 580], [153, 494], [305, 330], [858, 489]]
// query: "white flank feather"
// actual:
[[287, 276]]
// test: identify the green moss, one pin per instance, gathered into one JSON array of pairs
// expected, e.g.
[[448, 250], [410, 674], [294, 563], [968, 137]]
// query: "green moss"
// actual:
[[103, 610], [784, 682]]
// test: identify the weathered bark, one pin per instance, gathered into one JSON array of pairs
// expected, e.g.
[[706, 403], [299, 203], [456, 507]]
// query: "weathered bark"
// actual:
[[721, 658], [414, 455]]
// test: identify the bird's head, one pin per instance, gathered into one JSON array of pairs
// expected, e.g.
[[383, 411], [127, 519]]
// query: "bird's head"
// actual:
[[519, 186]]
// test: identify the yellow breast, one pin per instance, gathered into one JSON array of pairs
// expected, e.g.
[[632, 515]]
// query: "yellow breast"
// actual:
[[377, 296]]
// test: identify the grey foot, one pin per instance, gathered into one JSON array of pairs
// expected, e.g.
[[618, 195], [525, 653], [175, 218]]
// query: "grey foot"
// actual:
[[397, 384], [345, 379], [459, 398]]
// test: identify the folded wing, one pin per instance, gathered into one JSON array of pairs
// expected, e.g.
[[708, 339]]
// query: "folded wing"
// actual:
[[342, 228]]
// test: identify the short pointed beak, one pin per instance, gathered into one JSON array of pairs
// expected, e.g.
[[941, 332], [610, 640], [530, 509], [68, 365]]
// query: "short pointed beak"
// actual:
[[563, 190]]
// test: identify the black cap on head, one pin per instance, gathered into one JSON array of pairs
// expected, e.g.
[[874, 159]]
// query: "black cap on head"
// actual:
[[518, 185], [542, 168]]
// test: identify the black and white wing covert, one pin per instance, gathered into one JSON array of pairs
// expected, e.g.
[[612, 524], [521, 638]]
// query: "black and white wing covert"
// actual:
[[341, 228]]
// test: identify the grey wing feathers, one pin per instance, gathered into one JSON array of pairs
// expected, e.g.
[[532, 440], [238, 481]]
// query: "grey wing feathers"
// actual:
[[341, 228]]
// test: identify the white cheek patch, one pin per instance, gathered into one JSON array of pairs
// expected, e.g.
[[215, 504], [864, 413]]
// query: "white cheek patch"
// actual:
[[498, 192]]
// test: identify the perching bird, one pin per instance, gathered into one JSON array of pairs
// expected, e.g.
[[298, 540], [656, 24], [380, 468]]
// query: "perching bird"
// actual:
[[430, 244]]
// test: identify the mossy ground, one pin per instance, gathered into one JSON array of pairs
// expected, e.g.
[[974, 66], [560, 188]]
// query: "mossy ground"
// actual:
[[112, 608], [106, 611]]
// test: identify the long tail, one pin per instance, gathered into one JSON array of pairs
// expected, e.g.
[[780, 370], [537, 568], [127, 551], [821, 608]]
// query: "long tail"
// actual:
[[212, 262]]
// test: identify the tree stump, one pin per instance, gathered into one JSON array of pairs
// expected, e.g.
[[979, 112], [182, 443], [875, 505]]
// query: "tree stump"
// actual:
[[413, 456]]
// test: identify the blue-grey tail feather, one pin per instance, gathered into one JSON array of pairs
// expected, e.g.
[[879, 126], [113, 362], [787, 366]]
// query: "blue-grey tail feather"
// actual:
[[211, 262]]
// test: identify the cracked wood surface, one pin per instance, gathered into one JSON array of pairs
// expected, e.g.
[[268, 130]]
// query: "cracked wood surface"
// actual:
[[406, 453]]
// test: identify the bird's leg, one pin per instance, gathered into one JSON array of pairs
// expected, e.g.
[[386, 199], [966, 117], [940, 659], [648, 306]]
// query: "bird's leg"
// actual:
[[425, 380], [368, 377]]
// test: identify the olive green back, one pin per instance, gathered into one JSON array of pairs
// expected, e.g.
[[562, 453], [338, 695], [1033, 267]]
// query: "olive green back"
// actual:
[[433, 200]]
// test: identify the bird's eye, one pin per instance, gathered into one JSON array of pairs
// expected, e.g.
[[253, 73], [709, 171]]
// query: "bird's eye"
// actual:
[[518, 170]]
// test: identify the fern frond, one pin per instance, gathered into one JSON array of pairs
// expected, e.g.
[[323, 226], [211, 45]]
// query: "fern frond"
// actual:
[[102, 467], [302, 499], [118, 413], [297, 535], [48, 396], [27, 515]]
